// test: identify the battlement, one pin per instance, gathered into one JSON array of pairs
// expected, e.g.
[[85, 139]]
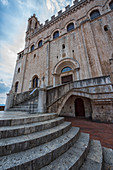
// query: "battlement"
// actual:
[[68, 9]]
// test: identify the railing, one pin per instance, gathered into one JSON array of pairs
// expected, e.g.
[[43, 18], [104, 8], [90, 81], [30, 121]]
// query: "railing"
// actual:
[[31, 105], [23, 97]]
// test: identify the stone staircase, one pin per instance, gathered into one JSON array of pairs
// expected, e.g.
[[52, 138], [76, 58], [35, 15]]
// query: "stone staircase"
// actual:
[[45, 141]]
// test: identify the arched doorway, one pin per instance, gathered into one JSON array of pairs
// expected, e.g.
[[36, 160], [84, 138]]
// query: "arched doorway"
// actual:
[[79, 107]]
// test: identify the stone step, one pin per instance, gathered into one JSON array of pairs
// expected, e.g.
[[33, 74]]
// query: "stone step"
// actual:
[[107, 159], [30, 118], [15, 144], [42, 155], [94, 158], [24, 109], [13, 131], [73, 158]]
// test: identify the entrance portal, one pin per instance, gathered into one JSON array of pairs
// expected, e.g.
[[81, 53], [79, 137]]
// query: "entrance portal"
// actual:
[[79, 107], [67, 79]]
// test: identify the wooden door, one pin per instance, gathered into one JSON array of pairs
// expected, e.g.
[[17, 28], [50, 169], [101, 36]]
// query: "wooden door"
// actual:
[[79, 108], [67, 79]]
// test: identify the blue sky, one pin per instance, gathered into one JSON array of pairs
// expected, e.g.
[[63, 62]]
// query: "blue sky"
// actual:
[[13, 23]]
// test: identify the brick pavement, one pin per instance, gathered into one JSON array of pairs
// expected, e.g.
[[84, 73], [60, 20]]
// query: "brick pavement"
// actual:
[[97, 131]]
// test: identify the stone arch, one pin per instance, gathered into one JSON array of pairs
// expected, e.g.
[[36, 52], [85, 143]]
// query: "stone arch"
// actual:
[[98, 8], [67, 62], [85, 96]]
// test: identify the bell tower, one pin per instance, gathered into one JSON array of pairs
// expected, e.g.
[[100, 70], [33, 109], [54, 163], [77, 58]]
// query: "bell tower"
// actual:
[[33, 24]]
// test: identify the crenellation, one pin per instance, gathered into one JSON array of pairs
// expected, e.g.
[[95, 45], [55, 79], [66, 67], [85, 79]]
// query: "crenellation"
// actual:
[[60, 13], [67, 7]]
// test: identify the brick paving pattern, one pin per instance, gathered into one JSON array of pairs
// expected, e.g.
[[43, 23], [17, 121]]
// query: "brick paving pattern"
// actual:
[[97, 131]]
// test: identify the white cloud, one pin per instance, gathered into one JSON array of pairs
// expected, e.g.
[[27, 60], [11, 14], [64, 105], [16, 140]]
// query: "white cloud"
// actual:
[[4, 2]]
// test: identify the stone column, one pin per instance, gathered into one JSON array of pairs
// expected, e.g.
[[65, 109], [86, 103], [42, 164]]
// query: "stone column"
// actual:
[[77, 74], [9, 101], [42, 97]]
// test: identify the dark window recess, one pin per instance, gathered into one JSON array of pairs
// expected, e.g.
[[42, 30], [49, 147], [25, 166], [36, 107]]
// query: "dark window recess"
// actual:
[[16, 86], [56, 34], [66, 79], [35, 82], [66, 69], [94, 14], [63, 46], [40, 43], [111, 5], [32, 48], [34, 55], [18, 70], [106, 28], [57, 56], [73, 51], [70, 27], [35, 25]]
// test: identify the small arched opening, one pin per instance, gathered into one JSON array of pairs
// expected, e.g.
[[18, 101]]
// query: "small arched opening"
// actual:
[[35, 82], [79, 107]]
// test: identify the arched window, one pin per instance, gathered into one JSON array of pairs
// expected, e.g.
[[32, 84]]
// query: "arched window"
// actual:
[[70, 27], [66, 69], [56, 34], [16, 86], [40, 43], [111, 5], [94, 14], [32, 48], [35, 82]]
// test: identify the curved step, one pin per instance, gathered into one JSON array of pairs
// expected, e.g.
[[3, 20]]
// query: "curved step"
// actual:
[[13, 131], [108, 158], [40, 156], [94, 158], [74, 157], [21, 143], [5, 121]]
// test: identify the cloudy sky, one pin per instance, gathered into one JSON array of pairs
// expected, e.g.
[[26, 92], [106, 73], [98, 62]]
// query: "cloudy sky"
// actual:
[[13, 23]]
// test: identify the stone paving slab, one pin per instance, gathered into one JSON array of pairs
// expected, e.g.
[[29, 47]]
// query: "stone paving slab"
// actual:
[[42, 155], [98, 131], [73, 158], [13, 131], [21, 143]]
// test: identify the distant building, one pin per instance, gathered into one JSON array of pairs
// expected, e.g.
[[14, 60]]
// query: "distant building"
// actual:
[[76, 45]]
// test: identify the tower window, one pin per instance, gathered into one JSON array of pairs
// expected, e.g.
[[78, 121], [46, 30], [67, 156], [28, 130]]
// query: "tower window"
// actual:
[[32, 48], [106, 28], [94, 14], [40, 43], [111, 5], [70, 27], [56, 34], [16, 86], [18, 70], [35, 82], [66, 69], [63, 46]]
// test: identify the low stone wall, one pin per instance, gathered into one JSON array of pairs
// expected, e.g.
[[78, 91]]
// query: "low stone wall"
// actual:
[[97, 94]]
